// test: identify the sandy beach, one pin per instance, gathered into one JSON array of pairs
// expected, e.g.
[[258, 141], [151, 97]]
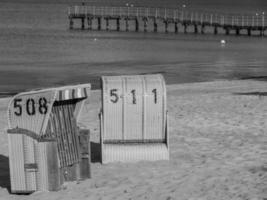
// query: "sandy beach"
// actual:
[[218, 148]]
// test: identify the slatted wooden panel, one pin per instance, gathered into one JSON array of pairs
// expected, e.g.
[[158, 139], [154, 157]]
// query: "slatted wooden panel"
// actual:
[[113, 108], [155, 108], [133, 108], [28, 111], [62, 126], [16, 163], [135, 152]]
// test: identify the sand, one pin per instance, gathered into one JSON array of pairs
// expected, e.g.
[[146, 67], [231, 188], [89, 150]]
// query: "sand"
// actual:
[[218, 149]]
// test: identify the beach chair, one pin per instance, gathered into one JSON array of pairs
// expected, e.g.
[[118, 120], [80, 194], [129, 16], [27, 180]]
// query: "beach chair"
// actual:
[[46, 147], [134, 119]]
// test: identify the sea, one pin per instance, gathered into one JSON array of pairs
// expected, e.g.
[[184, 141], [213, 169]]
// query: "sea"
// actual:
[[38, 50]]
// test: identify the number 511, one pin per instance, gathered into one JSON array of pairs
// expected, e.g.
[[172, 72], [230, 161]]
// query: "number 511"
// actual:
[[115, 97]]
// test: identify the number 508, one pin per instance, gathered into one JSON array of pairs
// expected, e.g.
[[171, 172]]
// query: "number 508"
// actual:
[[30, 106]]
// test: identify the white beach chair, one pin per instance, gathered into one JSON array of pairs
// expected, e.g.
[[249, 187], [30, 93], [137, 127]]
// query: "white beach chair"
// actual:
[[43, 136], [134, 119]]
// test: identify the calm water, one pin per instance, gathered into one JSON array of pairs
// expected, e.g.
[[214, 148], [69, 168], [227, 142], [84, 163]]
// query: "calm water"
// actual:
[[38, 50]]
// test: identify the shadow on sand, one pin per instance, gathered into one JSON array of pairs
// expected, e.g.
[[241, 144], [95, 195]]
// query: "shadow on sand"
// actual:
[[95, 152], [258, 78], [4, 173], [260, 94]]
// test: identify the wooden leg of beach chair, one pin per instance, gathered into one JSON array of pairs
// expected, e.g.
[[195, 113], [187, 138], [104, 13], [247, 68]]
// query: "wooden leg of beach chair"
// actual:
[[85, 169], [54, 174], [72, 172]]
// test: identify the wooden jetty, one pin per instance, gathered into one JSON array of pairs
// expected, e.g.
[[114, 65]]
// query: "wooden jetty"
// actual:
[[199, 21]]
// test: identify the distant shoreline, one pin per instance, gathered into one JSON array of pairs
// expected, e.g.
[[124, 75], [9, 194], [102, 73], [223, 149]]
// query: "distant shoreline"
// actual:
[[96, 83], [7, 94]]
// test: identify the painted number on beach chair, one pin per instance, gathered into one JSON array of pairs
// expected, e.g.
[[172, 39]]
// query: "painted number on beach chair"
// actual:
[[155, 95], [115, 97], [30, 106], [134, 96]]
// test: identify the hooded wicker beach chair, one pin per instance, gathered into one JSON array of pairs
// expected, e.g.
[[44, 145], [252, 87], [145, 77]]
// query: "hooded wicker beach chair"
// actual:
[[134, 119], [46, 147]]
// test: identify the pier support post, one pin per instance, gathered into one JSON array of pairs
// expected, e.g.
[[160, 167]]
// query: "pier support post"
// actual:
[[107, 24], [118, 24], [99, 23], [82, 23], [261, 32], [127, 24], [195, 29], [89, 23], [166, 26], [145, 24], [227, 31], [136, 25], [185, 28], [237, 31], [215, 30], [176, 27], [155, 26], [249, 32], [71, 23], [202, 29]]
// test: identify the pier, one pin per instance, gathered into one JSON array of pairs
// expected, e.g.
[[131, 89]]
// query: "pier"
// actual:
[[172, 20]]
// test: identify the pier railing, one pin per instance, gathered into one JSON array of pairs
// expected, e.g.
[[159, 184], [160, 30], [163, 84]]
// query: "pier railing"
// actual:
[[182, 16]]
